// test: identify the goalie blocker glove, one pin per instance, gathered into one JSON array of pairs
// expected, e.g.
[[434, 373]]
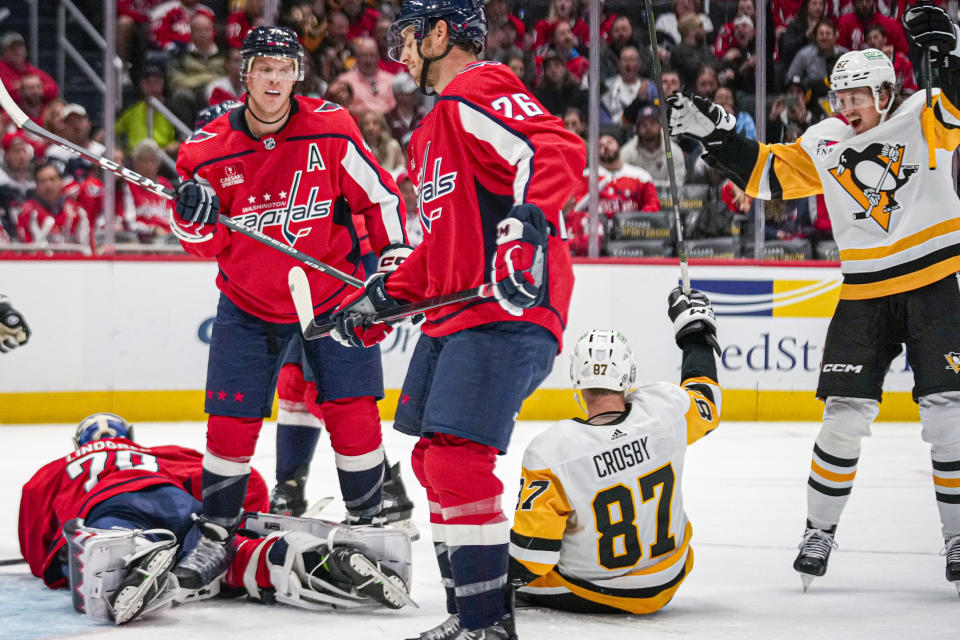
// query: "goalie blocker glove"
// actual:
[[518, 264], [353, 318], [692, 314], [700, 118], [14, 331]]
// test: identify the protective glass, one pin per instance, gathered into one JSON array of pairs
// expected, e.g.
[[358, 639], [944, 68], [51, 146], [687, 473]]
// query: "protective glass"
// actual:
[[847, 99], [396, 37]]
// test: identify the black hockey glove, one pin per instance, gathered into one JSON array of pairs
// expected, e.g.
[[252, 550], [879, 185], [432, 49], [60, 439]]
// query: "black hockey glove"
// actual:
[[930, 27], [692, 314], [14, 331], [699, 117], [518, 265], [196, 204], [353, 317]]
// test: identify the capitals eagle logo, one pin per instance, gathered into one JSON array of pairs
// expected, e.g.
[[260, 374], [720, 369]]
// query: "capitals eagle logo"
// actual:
[[872, 178]]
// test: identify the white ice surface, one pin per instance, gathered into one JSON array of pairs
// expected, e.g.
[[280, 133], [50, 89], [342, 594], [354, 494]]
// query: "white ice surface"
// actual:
[[744, 487]]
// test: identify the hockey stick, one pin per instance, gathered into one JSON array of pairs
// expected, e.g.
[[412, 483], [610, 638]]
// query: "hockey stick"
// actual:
[[668, 149], [300, 291], [10, 562], [25, 123]]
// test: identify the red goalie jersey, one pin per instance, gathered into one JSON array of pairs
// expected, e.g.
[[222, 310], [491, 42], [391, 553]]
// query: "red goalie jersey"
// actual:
[[486, 146], [301, 185], [71, 486]]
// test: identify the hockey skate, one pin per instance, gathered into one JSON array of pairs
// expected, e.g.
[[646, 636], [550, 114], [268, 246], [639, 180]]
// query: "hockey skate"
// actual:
[[951, 549], [367, 577], [198, 573], [287, 498], [397, 506], [503, 629], [815, 548], [446, 630]]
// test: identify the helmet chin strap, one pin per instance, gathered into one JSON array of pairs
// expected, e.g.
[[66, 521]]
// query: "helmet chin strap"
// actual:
[[426, 67], [261, 120]]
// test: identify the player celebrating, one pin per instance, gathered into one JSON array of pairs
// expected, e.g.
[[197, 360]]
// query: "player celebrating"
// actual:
[[577, 470], [297, 169], [493, 171], [884, 169], [14, 331]]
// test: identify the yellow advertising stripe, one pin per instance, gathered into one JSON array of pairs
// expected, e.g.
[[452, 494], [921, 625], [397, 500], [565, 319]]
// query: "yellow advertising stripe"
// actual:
[[830, 475], [906, 282], [821, 305], [952, 483], [544, 404], [912, 240]]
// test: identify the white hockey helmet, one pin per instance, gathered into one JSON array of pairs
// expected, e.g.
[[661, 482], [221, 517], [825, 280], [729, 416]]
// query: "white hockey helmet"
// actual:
[[868, 68], [602, 359]]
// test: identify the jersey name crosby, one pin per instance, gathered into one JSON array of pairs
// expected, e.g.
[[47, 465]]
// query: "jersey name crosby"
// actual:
[[613, 461]]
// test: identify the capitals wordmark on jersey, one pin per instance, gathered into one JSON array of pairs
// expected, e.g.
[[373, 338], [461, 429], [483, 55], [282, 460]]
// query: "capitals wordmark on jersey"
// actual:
[[872, 177], [432, 187]]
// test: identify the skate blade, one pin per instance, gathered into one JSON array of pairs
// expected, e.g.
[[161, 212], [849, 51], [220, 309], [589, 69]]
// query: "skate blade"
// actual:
[[392, 591], [317, 507], [806, 579], [128, 604]]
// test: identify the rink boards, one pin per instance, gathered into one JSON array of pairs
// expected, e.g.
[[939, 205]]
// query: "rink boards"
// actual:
[[132, 336]]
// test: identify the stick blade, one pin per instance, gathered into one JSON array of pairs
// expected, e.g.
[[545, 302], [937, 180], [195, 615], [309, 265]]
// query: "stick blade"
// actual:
[[12, 108], [302, 300]]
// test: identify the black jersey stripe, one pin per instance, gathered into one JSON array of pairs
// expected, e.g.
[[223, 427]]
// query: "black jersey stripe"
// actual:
[[830, 491], [946, 466], [534, 544], [642, 592], [949, 498], [834, 460], [905, 268]]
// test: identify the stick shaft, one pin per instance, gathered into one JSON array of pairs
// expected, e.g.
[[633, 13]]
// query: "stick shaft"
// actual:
[[668, 149], [927, 73]]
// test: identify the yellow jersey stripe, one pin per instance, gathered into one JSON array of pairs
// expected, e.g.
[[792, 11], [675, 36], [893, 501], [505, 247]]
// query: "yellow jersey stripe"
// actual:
[[913, 240], [906, 282]]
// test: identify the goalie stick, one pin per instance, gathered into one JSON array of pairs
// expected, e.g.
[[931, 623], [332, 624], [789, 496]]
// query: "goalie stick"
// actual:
[[302, 300], [24, 122]]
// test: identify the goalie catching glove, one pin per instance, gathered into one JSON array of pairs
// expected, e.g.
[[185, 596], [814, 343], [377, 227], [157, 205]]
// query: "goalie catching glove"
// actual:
[[692, 314], [699, 117], [518, 265]]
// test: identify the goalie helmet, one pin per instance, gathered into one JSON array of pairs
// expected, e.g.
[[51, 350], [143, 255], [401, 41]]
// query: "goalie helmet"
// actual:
[[101, 425], [465, 18], [271, 42], [869, 68], [602, 359]]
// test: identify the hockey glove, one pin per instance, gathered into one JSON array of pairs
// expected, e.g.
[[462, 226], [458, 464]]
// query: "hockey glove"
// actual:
[[353, 317], [196, 205], [392, 257], [930, 27], [692, 314], [518, 264], [699, 117], [14, 331]]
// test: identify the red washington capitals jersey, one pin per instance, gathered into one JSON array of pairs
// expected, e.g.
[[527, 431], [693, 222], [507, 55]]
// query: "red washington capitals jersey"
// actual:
[[486, 146], [301, 185], [71, 486]]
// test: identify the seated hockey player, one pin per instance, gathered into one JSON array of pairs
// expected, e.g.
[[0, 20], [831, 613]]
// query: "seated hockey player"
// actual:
[[599, 525], [111, 518]]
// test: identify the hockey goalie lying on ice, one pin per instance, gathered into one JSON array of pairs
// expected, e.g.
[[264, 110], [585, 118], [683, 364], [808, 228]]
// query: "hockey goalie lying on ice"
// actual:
[[110, 518]]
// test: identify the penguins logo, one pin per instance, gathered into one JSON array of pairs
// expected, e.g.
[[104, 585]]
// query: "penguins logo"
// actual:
[[872, 178], [953, 361]]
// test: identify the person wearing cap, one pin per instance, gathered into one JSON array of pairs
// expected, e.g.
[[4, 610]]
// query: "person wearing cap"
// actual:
[[693, 52], [372, 86], [14, 66], [740, 61], [725, 37], [16, 179], [646, 149], [814, 61], [76, 129], [627, 85], [409, 110], [141, 120]]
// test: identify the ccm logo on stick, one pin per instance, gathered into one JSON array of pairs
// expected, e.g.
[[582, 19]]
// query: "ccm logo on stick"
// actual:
[[843, 368]]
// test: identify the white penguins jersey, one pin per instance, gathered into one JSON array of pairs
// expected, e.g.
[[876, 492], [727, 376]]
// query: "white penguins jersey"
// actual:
[[600, 511], [888, 190]]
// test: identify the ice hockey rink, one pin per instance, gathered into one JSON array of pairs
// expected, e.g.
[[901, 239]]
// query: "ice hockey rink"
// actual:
[[744, 493]]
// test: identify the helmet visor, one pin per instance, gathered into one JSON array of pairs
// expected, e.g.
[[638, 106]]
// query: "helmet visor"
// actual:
[[847, 99], [397, 36]]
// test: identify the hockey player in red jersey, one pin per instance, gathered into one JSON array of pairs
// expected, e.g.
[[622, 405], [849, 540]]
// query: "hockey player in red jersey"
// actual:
[[111, 490], [296, 169], [493, 170]]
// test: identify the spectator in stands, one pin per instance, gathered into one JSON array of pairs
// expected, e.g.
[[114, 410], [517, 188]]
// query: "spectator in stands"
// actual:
[[793, 119], [670, 82], [142, 120], [48, 217], [341, 93], [14, 67], [525, 67], [16, 179], [574, 121], [372, 86], [622, 35], [788, 219], [501, 43], [564, 45], [380, 36], [802, 30], [133, 26], [498, 12], [226, 87], [561, 12], [83, 182], [852, 27], [693, 53], [707, 82], [309, 20], [667, 22], [623, 187], [627, 86], [376, 133], [239, 23], [362, 18], [335, 54], [170, 23], [76, 129], [558, 89], [740, 62], [725, 37], [31, 97], [149, 214], [412, 225], [813, 63], [902, 67], [646, 149], [196, 66], [746, 126], [409, 110]]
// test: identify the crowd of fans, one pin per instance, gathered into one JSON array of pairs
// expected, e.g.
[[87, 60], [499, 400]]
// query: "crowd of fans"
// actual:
[[185, 55]]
